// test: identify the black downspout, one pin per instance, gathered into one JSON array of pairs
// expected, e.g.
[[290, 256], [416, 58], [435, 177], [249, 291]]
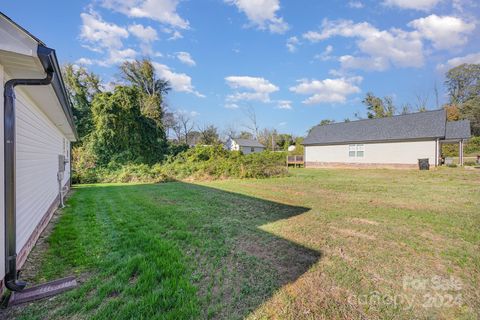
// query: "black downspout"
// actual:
[[11, 278]]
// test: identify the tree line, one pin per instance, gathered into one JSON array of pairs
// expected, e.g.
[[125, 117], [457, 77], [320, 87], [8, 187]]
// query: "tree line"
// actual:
[[133, 123], [463, 88]]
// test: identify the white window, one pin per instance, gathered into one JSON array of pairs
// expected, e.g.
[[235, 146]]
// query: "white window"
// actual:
[[356, 150], [351, 150], [360, 150]]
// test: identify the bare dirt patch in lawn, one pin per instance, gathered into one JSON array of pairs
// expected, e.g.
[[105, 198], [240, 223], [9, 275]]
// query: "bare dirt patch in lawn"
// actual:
[[366, 221], [353, 233]]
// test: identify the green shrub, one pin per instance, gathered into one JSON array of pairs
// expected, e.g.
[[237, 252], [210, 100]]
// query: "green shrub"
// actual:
[[199, 163], [451, 165], [473, 145]]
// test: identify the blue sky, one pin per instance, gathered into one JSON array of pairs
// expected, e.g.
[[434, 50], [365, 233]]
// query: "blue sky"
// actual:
[[294, 62]]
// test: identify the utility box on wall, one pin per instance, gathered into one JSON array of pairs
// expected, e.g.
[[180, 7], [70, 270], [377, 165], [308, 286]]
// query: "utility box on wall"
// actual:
[[61, 163]]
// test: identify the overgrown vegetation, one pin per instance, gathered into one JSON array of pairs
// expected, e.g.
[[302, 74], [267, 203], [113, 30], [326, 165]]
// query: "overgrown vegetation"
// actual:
[[200, 162], [471, 148]]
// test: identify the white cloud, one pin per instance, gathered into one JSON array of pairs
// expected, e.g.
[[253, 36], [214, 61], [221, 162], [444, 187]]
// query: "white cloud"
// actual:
[[380, 47], [256, 88], [284, 104], [96, 31], [117, 56], [107, 37], [325, 55], [231, 106], [327, 90], [144, 34], [473, 58], [355, 4], [179, 81], [365, 63], [424, 5], [444, 31], [186, 58], [84, 61], [292, 43], [163, 11], [344, 28], [176, 35], [262, 14]]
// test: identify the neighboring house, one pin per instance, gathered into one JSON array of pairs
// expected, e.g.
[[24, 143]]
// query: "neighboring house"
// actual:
[[35, 164], [397, 141], [245, 145]]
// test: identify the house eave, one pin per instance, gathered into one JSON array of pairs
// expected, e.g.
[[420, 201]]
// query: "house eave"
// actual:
[[371, 141]]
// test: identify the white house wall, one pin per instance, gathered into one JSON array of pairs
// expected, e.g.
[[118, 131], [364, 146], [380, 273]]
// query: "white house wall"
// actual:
[[38, 144], [375, 153], [247, 150]]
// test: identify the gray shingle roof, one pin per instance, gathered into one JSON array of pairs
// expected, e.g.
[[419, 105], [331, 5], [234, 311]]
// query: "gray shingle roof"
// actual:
[[457, 130], [421, 125], [249, 143]]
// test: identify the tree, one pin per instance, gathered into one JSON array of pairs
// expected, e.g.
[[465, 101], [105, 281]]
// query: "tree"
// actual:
[[322, 123], [378, 107], [245, 135], [141, 74], [421, 104], [230, 132], [252, 124], [470, 110], [209, 135], [183, 126], [453, 113], [268, 137], [405, 109], [168, 122], [121, 132], [82, 86], [463, 85], [284, 140]]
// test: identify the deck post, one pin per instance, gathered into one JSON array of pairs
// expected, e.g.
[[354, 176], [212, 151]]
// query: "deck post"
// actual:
[[460, 152]]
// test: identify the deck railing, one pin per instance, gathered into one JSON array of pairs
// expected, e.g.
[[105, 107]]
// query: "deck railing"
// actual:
[[295, 160]]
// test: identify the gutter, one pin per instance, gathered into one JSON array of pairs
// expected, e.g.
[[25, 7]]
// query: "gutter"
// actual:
[[50, 65]]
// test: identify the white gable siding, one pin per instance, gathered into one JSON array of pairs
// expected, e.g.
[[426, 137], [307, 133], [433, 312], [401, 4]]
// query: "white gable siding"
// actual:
[[375, 153], [39, 143], [232, 145]]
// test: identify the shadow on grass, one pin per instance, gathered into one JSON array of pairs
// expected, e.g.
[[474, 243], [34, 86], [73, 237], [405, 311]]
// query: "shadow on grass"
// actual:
[[172, 250]]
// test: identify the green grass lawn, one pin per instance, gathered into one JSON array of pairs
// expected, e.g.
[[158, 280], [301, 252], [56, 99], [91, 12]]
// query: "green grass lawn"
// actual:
[[316, 244]]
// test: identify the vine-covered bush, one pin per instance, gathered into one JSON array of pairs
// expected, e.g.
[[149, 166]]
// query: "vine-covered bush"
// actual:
[[198, 163]]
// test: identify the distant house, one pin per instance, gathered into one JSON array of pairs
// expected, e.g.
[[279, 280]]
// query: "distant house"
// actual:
[[245, 145], [397, 141], [37, 129]]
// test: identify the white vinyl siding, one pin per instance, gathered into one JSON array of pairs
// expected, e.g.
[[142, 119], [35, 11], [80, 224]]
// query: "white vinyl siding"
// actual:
[[407, 152], [39, 143]]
